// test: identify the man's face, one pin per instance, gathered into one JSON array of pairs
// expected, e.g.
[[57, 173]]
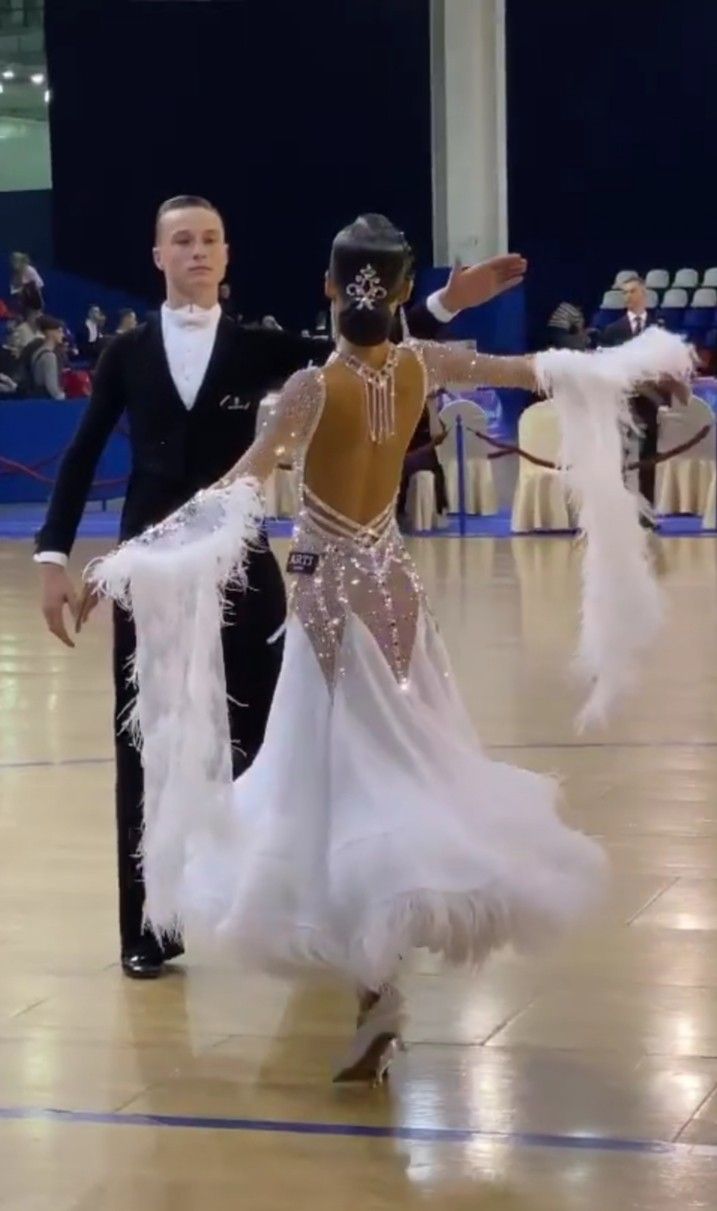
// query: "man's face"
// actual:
[[635, 296], [191, 250]]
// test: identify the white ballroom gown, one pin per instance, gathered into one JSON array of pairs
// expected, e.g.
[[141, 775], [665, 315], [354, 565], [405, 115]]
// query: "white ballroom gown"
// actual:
[[372, 821]]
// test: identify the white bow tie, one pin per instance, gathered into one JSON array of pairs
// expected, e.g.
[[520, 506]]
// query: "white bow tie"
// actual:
[[192, 317]]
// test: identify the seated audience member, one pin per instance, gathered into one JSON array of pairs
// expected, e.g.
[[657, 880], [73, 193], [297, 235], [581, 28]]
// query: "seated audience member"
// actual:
[[91, 334], [8, 368], [26, 285], [421, 456], [42, 360], [26, 330], [566, 328], [127, 320]]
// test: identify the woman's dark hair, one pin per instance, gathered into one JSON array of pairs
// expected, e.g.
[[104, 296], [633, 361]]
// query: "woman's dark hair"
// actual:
[[371, 261]]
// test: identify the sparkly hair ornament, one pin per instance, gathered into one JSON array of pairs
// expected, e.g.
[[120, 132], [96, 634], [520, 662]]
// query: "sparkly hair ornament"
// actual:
[[366, 289]]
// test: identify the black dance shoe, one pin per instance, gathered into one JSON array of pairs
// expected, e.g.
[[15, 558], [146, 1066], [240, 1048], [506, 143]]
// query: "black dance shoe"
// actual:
[[147, 961]]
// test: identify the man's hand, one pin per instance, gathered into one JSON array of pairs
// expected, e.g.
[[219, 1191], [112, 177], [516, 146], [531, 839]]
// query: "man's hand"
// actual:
[[57, 592], [478, 284], [89, 599]]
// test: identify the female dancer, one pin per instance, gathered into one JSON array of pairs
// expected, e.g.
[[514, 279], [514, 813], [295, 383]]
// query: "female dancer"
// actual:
[[371, 822]]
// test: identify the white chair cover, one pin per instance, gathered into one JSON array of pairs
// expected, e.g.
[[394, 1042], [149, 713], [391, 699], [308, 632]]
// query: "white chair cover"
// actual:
[[541, 501], [481, 498], [421, 502], [709, 518], [683, 482]]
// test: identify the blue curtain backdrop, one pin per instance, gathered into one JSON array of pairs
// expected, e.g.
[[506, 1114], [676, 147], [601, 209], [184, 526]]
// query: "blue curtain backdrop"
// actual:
[[291, 116], [612, 114]]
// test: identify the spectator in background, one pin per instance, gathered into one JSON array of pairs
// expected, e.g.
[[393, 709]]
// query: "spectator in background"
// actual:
[[27, 331], [226, 302], [26, 285], [566, 328], [43, 361], [127, 321], [8, 368], [91, 334]]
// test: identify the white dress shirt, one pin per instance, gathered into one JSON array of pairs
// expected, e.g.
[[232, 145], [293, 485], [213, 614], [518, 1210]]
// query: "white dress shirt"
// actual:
[[634, 317], [189, 334]]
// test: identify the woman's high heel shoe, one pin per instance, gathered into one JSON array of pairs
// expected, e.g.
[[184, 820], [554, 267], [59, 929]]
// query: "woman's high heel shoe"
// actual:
[[377, 1039]]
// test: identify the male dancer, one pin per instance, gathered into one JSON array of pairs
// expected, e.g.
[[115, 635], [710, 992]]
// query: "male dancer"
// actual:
[[190, 381]]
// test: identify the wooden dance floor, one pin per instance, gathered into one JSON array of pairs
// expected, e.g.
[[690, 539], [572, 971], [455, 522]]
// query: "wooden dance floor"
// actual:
[[575, 1083]]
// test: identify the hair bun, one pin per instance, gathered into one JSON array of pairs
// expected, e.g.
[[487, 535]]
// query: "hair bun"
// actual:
[[365, 326]]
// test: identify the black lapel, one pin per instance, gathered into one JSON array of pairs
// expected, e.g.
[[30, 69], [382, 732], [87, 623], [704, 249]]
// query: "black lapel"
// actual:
[[215, 377]]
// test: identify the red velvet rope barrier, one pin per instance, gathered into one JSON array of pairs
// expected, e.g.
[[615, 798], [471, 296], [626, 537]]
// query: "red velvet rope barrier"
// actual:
[[505, 448], [8, 466]]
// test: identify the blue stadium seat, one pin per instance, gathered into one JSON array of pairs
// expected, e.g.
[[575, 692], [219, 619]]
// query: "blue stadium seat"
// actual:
[[700, 316]]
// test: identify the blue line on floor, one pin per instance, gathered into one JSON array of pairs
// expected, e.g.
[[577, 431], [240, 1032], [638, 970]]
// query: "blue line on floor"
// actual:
[[437, 1135]]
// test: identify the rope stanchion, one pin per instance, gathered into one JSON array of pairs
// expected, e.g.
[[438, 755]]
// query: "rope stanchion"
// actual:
[[8, 466], [460, 451]]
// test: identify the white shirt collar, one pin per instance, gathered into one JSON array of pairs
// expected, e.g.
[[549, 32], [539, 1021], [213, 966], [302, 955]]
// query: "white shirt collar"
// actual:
[[191, 316], [635, 315]]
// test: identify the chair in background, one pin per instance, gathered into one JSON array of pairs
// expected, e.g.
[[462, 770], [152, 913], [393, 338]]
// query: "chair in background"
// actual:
[[700, 315], [672, 311], [709, 517], [710, 278], [281, 493], [624, 276], [421, 502], [613, 302], [480, 493], [683, 482], [541, 500], [653, 300], [657, 279], [687, 279]]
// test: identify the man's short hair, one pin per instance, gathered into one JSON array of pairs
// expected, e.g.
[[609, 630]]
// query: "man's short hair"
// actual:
[[48, 323], [634, 277], [184, 201]]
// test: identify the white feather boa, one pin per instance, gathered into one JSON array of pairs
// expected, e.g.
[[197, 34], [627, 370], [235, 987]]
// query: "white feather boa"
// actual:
[[173, 578], [621, 600]]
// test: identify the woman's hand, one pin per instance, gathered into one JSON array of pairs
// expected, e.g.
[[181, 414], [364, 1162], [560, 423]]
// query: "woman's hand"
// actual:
[[89, 600]]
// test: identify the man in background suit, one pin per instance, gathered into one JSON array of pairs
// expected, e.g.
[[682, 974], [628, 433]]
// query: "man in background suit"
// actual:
[[644, 407], [189, 382]]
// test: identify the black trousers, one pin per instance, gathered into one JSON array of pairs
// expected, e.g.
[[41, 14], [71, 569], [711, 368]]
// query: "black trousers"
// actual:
[[252, 668], [646, 415]]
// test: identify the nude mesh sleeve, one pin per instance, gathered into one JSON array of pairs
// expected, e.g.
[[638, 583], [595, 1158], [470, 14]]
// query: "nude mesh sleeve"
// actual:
[[451, 363], [288, 427]]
